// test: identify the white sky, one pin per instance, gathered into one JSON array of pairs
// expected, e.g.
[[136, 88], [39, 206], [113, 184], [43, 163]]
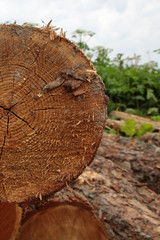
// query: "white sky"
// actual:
[[126, 26]]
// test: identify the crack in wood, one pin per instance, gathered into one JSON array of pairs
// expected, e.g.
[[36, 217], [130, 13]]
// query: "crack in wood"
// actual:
[[9, 110], [4, 190], [8, 118], [37, 56], [4, 108], [23, 120], [4, 140]]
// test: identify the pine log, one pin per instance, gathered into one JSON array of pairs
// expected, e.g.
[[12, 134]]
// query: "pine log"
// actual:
[[114, 124], [52, 112], [126, 116], [10, 217], [70, 219], [122, 184]]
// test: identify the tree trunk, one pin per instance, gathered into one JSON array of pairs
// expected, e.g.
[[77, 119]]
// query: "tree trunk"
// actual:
[[52, 112], [10, 217], [126, 116], [122, 184]]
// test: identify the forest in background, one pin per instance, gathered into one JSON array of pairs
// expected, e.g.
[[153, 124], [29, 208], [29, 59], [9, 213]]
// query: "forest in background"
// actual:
[[132, 87]]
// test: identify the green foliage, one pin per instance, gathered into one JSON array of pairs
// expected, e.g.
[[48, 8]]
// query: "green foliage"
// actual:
[[152, 111], [150, 95], [144, 128], [81, 37], [32, 24], [134, 111], [110, 130], [129, 85], [156, 118], [130, 130]]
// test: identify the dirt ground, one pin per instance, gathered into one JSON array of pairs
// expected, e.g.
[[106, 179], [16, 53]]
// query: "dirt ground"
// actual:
[[123, 185]]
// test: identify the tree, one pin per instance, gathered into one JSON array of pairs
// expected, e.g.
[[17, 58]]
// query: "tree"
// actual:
[[81, 38]]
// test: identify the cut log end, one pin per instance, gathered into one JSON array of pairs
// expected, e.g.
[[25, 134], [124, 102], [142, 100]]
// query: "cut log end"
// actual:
[[52, 112], [10, 217], [61, 222]]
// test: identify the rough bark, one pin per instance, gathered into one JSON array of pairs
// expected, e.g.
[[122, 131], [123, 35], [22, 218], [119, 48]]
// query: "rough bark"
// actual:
[[122, 184], [126, 116], [10, 217], [52, 112]]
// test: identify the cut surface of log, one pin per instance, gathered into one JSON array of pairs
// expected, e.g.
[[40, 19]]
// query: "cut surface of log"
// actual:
[[52, 112], [63, 222], [10, 217]]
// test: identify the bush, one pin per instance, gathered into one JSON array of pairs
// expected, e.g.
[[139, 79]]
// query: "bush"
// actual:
[[129, 85]]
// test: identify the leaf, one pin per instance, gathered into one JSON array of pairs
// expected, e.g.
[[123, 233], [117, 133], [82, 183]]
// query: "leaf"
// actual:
[[139, 98], [144, 128], [130, 110], [129, 128], [150, 95], [141, 88], [152, 110], [156, 118]]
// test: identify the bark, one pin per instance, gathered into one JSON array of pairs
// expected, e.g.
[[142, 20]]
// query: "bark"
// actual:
[[10, 217], [126, 116], [52, 112], [120, 188], [122, 184]]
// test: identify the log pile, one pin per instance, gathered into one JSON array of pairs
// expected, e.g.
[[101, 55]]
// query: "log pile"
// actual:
[[72, 219], [10, 218], [52, 115]]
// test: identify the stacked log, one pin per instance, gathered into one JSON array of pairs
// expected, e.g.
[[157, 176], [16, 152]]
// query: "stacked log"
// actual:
[[10, 218], [52, 115]]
